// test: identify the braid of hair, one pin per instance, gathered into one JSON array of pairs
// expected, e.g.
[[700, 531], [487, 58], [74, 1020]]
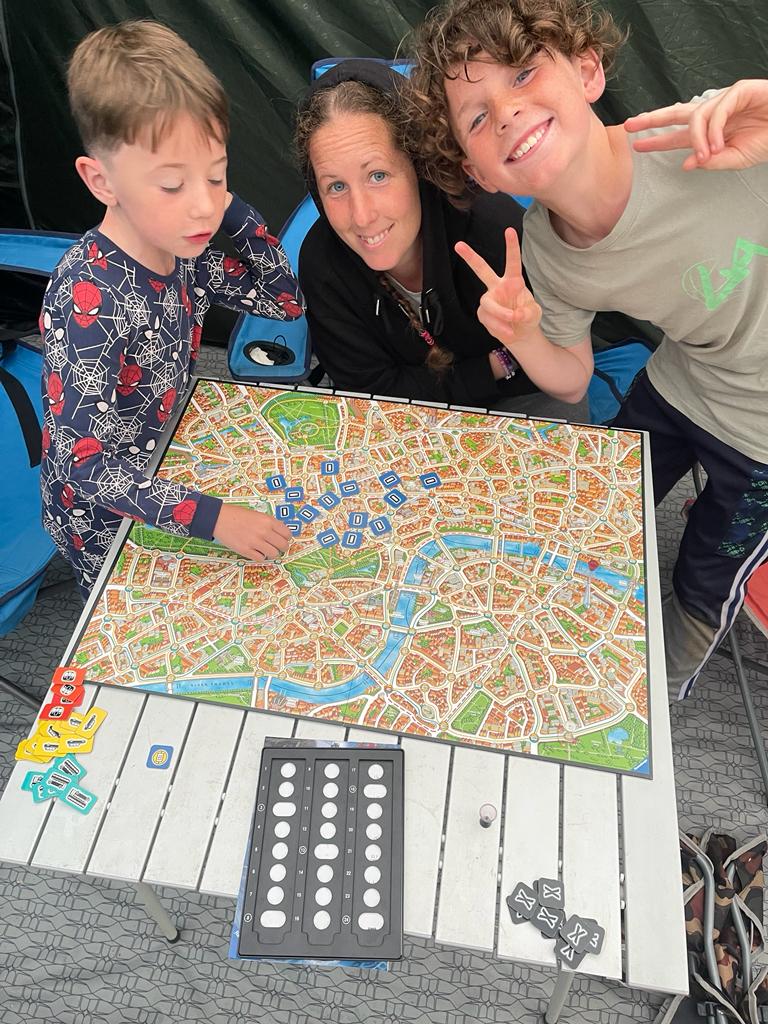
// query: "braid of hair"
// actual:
[[439, 360]]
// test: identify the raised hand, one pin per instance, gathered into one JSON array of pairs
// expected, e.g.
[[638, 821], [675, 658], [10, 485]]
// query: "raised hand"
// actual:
[[507, 309], [254, 535], [727, 132]]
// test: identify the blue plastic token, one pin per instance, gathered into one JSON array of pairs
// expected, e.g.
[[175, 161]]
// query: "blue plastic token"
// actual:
[[308, 514], [352, 539], [284, 511], [159, 756], [330, 467], [327, 538], [329, 500], [276, 483], [380, 525], [294, 526], [395, 498], [390, 478], [294, 494], [430, 480], [348, 487], [358, 519]]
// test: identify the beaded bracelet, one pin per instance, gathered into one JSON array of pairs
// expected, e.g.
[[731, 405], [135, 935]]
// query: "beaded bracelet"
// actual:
[[508, 362]]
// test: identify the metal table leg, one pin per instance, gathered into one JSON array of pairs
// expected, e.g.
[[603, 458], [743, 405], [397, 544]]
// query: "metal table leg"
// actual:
[[157, 911], [559, 995]]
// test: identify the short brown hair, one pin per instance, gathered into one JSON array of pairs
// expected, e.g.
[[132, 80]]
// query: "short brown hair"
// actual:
[[140, 75], [511, 32]]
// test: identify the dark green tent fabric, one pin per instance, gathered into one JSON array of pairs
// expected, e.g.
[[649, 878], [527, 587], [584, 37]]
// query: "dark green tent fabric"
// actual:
[[262, 51]]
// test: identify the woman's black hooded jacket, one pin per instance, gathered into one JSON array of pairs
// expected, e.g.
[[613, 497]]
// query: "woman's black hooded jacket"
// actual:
[[360, 334]]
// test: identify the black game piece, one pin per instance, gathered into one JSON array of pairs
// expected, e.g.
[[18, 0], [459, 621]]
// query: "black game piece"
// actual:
[[325, 860], [551, 892], [523, 900], [577, 931], [516, 918], [567, 955], [548, 920], [596, 937]]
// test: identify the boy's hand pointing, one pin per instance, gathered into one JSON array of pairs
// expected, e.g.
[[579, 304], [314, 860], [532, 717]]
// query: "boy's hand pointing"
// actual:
[[727, 132], [254, 535], [507, 310]]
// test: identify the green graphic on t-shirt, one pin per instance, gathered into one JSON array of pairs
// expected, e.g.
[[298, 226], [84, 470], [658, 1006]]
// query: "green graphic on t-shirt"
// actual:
[[698, 281]]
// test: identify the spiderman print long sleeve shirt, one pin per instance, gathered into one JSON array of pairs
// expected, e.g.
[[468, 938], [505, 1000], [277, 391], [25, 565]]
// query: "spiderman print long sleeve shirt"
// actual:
[[120, 342]]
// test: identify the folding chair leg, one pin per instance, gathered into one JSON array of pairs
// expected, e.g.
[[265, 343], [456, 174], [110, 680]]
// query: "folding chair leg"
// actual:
[[749, 708], [19, 694]]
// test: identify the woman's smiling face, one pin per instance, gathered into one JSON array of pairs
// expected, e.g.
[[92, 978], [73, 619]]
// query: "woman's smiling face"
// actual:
[[370, 193]]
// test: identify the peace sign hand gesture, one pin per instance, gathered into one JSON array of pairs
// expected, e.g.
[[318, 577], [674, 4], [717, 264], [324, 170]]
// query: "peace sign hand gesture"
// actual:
[[729, 131], [507, 310]]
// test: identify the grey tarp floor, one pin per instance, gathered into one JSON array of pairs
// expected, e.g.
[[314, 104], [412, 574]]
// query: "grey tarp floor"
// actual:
[[74, 950]]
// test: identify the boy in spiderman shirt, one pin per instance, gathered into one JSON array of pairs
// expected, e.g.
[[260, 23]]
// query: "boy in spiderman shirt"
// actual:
[[122, 316]]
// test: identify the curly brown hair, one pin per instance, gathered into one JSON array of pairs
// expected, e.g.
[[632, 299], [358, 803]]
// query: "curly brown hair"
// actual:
[[511, 32], [353, 97]]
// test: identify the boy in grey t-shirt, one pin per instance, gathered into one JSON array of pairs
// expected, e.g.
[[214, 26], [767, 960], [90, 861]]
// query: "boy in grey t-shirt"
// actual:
[[504, 90]]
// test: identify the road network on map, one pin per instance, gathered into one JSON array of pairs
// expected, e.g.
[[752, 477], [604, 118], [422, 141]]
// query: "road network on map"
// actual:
[[504, 606]]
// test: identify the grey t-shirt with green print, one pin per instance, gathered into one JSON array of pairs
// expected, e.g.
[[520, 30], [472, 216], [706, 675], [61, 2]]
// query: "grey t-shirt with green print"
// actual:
[[690, 254]]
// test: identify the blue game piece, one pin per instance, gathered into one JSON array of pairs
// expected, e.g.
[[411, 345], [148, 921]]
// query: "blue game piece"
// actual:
[[380, 525], [276, 483], [358, 519], [284, 511], [294, 494], [348, 487], [330, 467], [159, 756], [395, 498], [329, 500], [430, 480], [352, 539], [390, 478], [327, 538], [308, 514], [294, 526]]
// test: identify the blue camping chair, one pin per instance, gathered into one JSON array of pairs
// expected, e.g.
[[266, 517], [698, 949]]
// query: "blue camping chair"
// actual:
[[275, 351], [25, 547]]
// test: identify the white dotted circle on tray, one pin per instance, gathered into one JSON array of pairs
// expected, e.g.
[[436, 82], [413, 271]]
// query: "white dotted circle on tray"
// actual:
[[275, 895], [288, 770], [371, 898], [370, 922], [327, 830], [323, 897], [373, 831], [277, 872], [372, 875], [322, 919], [374, 811], [332, 770], [372, 852], [280, 851], [329, 810], [285, 789], [325, 873], [330, 790], [375, 771], [373, 791], [282, 829]]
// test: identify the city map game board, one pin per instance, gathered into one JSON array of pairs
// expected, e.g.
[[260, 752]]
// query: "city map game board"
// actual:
[[454, 575]]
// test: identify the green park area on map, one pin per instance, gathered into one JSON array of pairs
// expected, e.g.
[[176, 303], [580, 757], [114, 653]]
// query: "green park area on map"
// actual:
[[498, 600]]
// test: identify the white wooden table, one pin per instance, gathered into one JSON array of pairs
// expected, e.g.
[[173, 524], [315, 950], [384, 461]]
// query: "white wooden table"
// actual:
[[613, 839]]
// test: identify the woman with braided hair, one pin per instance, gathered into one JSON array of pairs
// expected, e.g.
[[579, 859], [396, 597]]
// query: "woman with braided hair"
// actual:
[[391, 307]]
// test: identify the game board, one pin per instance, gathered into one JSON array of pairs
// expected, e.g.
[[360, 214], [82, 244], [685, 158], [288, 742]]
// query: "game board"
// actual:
[[471, 578]]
